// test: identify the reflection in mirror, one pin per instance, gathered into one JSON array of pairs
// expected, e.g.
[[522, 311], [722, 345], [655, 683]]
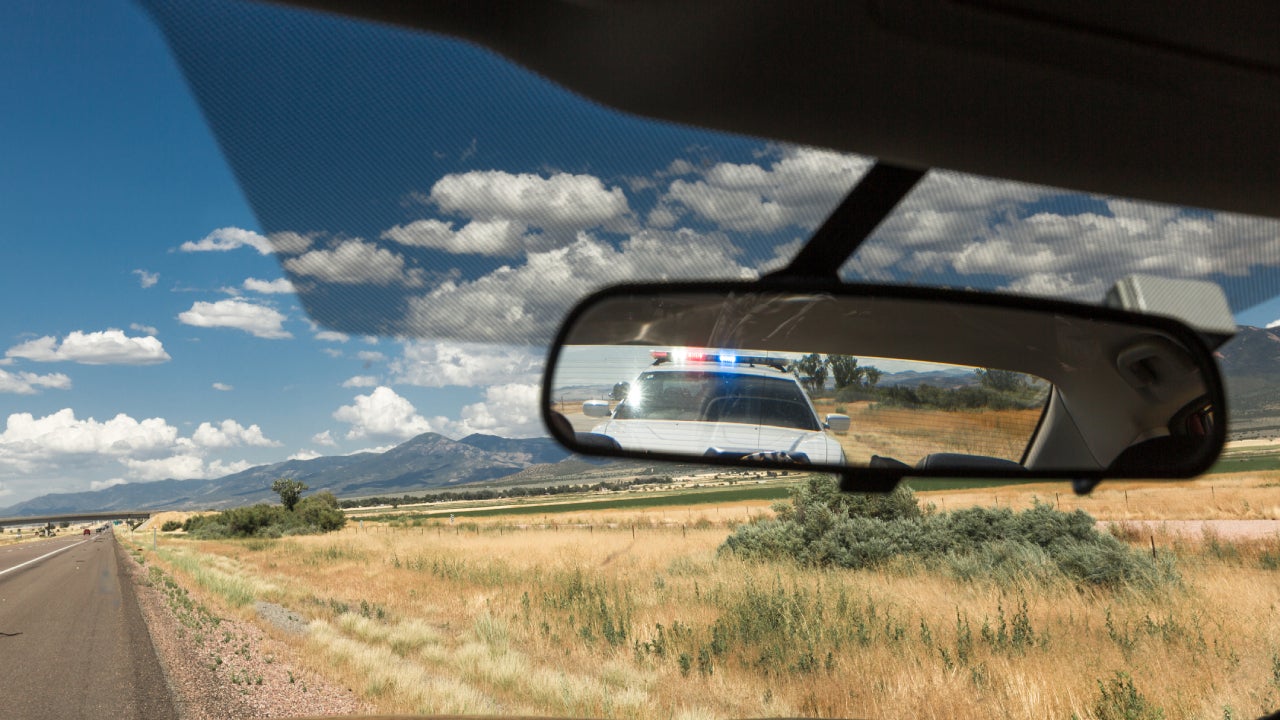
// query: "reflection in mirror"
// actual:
[[817, 408], [906, 382]]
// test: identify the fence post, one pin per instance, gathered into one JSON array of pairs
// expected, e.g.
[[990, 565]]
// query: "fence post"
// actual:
[[1153, 547]]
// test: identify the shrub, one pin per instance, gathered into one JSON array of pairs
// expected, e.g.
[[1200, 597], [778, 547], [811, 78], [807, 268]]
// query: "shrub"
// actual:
[[824, 527], [170, 526], [318, 513], [1120, 700]]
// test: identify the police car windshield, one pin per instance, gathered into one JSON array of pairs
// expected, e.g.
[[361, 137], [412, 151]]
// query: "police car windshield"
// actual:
[[710, 396]]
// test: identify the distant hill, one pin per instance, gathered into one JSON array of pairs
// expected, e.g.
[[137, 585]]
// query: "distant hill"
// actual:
[[949, 379], [426, 462], [1250, 365]]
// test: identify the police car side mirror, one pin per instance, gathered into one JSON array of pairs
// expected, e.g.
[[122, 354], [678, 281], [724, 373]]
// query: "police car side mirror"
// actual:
[[595, 408], [906, 381]]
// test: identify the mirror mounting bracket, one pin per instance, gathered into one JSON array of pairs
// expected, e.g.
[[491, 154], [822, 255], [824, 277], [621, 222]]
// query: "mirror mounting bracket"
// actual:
[[879, 483], [1084, 485], [852, 222]]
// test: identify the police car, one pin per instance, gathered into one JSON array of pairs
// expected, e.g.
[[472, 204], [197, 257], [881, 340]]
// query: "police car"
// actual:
[[722, 404]]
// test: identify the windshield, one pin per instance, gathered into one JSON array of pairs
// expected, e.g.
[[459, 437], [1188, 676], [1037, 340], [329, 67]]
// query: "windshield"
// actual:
[[279, 290], [717, 397]]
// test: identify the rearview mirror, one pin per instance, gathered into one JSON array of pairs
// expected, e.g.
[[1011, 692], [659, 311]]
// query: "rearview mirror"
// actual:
[[885, 381]]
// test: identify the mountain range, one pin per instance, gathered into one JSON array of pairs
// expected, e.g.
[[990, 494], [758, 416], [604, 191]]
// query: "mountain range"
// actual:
[[427, 462], [1250, 366]]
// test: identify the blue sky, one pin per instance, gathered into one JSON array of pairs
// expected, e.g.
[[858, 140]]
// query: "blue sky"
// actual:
[[420, 188]]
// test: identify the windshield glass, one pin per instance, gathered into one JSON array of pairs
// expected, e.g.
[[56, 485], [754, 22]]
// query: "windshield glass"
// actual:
[[279, 289], [717, 397]]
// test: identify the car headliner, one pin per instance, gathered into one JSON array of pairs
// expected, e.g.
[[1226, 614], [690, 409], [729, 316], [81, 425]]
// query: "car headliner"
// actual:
[[1172, 103]]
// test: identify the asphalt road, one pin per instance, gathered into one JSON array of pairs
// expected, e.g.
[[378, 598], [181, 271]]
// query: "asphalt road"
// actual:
[[72, 640]]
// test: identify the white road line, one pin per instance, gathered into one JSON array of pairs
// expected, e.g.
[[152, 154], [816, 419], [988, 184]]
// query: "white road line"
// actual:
[[35, 560]]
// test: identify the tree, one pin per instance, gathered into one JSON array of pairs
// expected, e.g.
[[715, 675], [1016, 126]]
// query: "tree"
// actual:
[[620, 391], [871, 375], [845, 370], [812, 371], [1000, 380], [290, 491]]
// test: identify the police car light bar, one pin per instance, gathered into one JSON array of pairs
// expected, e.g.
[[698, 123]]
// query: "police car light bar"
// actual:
[[723, 357]]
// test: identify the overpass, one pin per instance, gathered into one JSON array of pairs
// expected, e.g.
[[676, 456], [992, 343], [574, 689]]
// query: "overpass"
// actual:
[[25, 520]]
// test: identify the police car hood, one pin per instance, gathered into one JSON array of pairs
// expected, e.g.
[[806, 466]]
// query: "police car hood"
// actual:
[[689, 437]]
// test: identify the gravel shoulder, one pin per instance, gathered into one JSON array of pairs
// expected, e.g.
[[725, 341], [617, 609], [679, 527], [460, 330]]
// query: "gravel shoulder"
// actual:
[[218, 667]]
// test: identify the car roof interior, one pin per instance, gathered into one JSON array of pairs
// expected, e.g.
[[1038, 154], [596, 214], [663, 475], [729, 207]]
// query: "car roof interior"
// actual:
[[1168, 103]]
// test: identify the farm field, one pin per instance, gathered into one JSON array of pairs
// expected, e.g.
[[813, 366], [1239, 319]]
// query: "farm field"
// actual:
[[635, 611]]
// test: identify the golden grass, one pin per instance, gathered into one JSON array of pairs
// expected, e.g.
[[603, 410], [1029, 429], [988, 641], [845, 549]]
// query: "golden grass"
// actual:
[[1228, 496], [508, 620], [908, 434]]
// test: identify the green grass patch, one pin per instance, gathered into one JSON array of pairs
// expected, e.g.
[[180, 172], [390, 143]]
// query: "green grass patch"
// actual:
[[702, 496], [693, 496], [926, 484], [1247, 463]]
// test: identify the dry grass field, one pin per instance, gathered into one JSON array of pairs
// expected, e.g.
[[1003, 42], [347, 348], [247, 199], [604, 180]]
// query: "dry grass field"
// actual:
[[584, 620], [908, 434]]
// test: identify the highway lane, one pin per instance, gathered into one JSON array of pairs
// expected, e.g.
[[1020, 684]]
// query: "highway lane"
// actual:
[[72, 640]]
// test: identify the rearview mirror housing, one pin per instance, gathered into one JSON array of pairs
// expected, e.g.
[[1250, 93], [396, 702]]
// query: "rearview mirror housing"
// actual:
[[908, 381]]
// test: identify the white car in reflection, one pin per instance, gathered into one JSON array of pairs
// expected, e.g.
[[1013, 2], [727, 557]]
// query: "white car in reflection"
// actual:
[[720, 405]]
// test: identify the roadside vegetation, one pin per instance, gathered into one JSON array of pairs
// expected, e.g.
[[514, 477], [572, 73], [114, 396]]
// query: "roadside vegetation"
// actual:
[[989, 388], [820, 526], [296, 515], [651, 620], [502, 493]]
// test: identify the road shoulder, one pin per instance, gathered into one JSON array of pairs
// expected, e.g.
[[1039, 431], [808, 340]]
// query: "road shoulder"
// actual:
[[220, 667]]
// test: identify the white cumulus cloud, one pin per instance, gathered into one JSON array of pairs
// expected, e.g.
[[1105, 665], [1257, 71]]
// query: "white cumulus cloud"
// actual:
[[382, 415], [144, 329], [27, 438], [104, 484], [230, 433], [508, 410], [353, 262], [324, 438], [223, 387], [147, 279], [257, 320], [234, 238], [524, 304], [177, 467], [437, 363], [269, 287], [360, 381], [478, 237], [105, 347], [25, 383], [305, 454], [563, 203], [798, 189], [228, 238]]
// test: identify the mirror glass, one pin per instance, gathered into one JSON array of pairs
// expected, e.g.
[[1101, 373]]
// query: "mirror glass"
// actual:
[[957, 383]]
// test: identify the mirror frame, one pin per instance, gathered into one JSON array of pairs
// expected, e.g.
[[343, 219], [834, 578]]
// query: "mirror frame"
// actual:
[[883, 479]]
